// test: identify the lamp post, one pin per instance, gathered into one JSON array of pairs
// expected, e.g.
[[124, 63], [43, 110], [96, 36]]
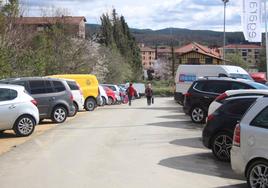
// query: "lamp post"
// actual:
[[224, 37]]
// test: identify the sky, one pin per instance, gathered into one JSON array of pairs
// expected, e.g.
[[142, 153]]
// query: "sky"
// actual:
[[147, 14]]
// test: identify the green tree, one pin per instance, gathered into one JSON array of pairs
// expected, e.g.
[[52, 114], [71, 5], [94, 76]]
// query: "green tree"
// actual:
[[235, 59], [262, 61]]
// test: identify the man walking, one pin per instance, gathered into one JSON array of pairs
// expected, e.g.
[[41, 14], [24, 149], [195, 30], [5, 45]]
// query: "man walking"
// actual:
[[149, 94], [130, 93]]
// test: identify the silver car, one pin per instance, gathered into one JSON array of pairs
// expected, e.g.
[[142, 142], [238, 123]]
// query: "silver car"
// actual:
[[18, 110]]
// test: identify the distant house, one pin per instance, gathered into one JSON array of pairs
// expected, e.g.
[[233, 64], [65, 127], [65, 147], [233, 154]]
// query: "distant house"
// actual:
[[250, 53], [195, 53], [148, 55], [74, 26]]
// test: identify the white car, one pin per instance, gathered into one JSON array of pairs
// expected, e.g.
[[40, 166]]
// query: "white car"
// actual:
[[249, 154], [78, 97], [234, 93], [103, 95], [18, 110]]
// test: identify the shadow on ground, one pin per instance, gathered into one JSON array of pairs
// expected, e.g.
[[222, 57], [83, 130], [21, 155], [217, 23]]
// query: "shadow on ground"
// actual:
[[182, 124], [201, 163], [179, 116], [189, 142], [4, 135], [171, 109], [242, 185]]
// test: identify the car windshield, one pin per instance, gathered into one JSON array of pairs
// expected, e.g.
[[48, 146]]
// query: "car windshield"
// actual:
[[258, 85], [243, 76]]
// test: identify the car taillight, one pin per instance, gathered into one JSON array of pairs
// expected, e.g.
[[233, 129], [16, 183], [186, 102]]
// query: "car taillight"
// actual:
[[210, 117], [237, 135], [221, 97], [34, 102], [187, 95], [71, 97]]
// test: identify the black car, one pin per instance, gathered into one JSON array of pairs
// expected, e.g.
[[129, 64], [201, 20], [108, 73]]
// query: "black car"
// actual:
[[203, 91], [218, 132]]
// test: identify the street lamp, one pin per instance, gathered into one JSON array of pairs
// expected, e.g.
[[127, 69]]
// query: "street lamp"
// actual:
[[224, 37]]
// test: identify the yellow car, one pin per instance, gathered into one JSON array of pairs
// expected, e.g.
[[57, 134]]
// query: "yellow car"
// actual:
[[89, 86]]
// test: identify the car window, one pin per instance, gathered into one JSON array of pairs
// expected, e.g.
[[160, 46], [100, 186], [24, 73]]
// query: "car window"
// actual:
[[238, 107], [73, 85], [243, 76], [216, 87], [58, 86], [261, 120], [37, 86], [7, 94], [199, 86], [112, 88], [49, 87], [237, 85], [258, 85], [21, 83]]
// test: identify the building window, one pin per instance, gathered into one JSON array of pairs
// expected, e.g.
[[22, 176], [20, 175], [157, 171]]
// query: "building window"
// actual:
[[143, 57], [193, 61], [244, 53], [209, 60], [249, 50]]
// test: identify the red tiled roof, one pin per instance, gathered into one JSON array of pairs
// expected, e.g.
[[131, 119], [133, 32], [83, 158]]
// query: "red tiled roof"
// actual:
[[244, 46], [50, 20], [198, 48]]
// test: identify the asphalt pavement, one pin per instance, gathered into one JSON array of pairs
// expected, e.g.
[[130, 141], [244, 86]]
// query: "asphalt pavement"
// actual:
[[119, 147]]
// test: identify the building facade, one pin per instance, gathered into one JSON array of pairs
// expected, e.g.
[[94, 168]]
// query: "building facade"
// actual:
[[74, 26], [248, 52]]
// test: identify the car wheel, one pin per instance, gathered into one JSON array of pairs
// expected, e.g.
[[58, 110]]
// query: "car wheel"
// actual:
[[257, 175], [24, 125], [104, 101], [198, 115], [90, 104], [59, 114], [75, 110], [222, 145], [110, 101]]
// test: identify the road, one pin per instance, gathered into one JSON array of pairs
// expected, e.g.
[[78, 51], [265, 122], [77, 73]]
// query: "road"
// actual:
[[118, 147]]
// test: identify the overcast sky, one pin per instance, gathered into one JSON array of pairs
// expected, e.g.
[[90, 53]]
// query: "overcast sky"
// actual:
[[152, 14]]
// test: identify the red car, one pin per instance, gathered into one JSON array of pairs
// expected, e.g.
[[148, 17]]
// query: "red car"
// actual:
[[111, 95], [259, 77]]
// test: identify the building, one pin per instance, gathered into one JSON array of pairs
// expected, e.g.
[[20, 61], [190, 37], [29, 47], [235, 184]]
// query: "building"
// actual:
[[195, 53], [74, 26], [250, 53], [148, 55]]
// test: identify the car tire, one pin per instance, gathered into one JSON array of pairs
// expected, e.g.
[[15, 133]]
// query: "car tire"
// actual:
[[257, 174], [59, 114], [198, 114], [110, 101], [104, 101], [90, 104], [75, 110], [221, 146], [24, 126]]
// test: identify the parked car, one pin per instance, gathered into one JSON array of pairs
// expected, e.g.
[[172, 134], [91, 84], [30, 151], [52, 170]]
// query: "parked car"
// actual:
[[18, 110], [249, 154], [218, 132], [88, 84], [103, 95], [187, 74], [232, 93], [259, 77], [204, 91], [111, 95], [78, 98], [116, 90], [53, 96]]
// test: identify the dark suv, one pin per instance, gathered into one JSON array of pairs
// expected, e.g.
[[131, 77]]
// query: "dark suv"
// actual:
[[53, 96], [203, 91]]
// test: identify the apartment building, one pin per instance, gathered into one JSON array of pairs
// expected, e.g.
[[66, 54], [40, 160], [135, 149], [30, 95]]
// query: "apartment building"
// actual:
[[148, 55], [250, 53]]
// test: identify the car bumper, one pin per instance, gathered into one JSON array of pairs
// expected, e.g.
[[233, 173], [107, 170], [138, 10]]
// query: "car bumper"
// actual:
[[206, 140], [186, 109], [237, 161]]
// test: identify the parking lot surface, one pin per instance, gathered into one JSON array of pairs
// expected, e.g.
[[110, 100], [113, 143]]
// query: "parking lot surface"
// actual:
[[118, 147]]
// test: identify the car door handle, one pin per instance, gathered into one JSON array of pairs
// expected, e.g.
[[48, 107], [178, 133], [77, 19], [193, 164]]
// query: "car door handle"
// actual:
[[52, 98], [12, 107], [206, 97]]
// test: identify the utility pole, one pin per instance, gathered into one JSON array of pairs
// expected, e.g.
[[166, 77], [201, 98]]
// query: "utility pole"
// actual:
[[224, 37], [266, 37]]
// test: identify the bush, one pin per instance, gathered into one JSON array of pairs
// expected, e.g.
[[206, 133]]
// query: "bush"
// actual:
[[163, 91]]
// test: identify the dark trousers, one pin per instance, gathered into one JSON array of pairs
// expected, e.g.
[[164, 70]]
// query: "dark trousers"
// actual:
[[129, 100], [149, 100]]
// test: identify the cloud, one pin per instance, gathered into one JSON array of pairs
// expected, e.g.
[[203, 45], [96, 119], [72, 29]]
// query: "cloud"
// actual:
[[154, 14]]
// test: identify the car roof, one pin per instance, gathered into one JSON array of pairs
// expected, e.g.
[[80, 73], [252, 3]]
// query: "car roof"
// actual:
[[10, 86], [242, 97], [246, 91], [30, 78]]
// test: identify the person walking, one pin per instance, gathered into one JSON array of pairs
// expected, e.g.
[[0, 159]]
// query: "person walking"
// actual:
[[149, 94], [130, 93]]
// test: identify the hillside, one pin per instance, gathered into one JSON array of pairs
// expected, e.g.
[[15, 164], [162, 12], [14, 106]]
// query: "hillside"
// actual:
[[179, 36]]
